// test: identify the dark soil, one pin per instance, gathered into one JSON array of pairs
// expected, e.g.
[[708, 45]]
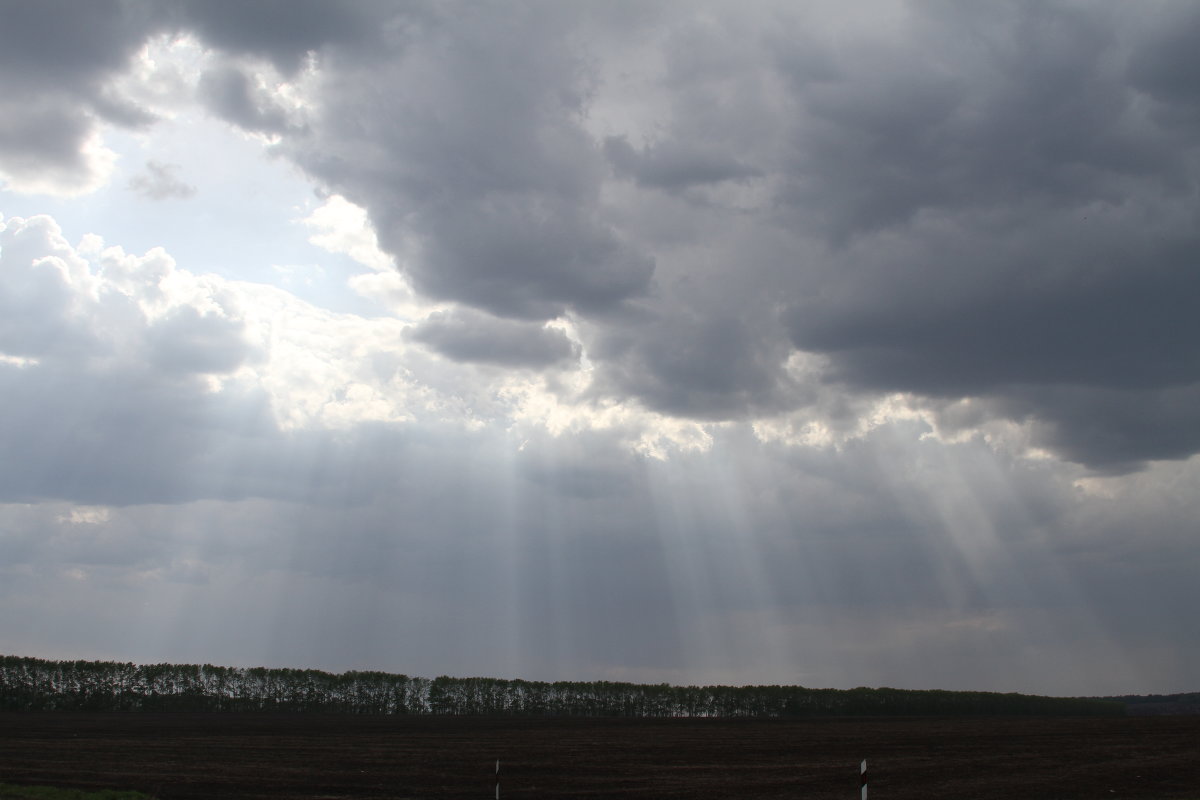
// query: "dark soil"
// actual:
[[316, 756]]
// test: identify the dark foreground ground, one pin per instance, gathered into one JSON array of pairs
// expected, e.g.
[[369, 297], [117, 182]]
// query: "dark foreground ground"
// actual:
[[302, 756]]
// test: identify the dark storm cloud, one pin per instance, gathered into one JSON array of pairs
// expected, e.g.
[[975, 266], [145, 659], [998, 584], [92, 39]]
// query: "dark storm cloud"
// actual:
[[714, 367], [1018, 105], [1166, 65], [229, 93], [62, 44], [1102, 298], [989, 202], [282, 31], [465, 335], [525, 257], [1007, 219], [55, 60], [38, 136], [467, 150], [673, 167], [1111, 430]]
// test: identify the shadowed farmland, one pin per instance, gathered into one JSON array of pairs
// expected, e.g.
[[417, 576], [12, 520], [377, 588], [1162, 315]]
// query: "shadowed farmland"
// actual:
[[314, 756]]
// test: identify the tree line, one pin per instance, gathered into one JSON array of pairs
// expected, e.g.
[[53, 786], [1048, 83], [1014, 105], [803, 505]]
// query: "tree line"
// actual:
[[1157, 705], [32, 684]]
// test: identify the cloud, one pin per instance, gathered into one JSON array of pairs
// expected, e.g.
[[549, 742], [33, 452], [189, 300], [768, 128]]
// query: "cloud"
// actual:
[[156, 374], [667, 167], [124, 355], [48, 49], [159, 182], [975, 224], [715, 367], [186, 340], [148, 375], [699, 335], [1111, 430], [1002, 222], [231, 94], [339, 226], [49, 150], [1164, 66], [281, 31], [982, 246], [181, 437], [463, 335], [57, 62], [473, 166]]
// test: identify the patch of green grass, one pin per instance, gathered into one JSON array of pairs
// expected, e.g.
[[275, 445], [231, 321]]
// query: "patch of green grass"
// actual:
[[10, 792]]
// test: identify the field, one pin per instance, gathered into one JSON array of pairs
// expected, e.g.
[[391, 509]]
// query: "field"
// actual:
[[309, 756], [10, 792]]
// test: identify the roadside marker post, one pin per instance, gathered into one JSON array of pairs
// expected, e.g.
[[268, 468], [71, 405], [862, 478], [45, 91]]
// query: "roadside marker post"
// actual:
[[497, 779], [862, 777]]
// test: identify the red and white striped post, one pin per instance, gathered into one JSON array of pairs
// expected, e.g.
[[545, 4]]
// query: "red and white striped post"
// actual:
[[862, 778]]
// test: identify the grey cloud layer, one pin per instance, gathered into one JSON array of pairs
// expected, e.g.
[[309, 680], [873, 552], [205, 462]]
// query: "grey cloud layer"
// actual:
[[672, 167], [1016, 228], [467, 150], [993, 203], [473, 337]]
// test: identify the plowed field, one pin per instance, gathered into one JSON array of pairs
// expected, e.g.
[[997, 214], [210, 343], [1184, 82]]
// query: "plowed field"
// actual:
[[310, 756]]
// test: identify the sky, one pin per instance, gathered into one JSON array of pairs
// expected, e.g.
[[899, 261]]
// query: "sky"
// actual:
[[694, 342]]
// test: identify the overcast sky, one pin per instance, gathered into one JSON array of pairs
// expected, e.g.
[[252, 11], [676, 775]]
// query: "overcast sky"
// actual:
[[831, 344]]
